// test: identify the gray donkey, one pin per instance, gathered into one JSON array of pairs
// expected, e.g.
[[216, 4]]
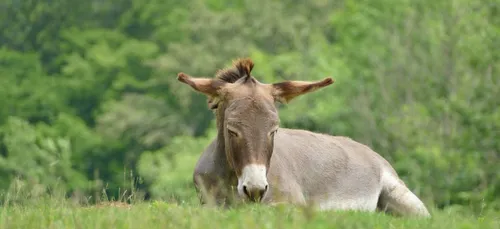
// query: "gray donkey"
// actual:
[[254, 159]]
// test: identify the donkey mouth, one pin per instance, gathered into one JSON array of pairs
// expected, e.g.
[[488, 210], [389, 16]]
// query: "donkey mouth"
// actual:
[[254, 199], [254, 195]]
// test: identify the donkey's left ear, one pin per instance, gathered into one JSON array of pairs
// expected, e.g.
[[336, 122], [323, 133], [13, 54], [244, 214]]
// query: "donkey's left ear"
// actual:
[[286, 91], [206, 86]]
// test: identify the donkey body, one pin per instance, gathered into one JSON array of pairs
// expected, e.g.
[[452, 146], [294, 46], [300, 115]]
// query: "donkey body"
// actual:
[[278, 165]]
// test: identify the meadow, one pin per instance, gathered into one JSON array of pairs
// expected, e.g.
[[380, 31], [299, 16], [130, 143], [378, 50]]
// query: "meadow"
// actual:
[[61, 213], [22, 208]]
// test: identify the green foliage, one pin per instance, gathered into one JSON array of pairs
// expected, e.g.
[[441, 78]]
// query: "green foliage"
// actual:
[[38, 159], [90, 101], [169, 170]]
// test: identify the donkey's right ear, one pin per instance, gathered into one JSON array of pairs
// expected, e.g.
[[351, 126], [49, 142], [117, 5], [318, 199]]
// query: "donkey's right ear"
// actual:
[[206, 86]]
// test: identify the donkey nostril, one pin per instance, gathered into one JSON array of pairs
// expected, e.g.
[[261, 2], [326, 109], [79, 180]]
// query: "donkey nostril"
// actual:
[[245, 190], [261, 193], [265, 188]]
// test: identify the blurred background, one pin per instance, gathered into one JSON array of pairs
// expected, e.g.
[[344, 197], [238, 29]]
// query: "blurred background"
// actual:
[[89, 99]]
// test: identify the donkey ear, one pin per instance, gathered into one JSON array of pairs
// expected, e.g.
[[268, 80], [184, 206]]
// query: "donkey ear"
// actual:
[[206, 86], [286, 91]]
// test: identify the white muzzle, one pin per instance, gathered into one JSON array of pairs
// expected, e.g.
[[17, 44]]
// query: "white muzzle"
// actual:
[[253, 182]]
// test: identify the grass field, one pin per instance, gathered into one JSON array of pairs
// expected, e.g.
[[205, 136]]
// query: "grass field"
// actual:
[[54, 213]]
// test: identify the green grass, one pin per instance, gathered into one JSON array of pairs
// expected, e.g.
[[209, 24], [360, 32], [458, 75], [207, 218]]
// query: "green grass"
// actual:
[[61, 213]]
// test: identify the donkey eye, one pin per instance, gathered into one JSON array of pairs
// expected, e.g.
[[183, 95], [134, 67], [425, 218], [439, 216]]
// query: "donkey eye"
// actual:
[[232, 133]]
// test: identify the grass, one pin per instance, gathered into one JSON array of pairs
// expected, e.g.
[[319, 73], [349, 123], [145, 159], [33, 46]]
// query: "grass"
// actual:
[[62, 213]]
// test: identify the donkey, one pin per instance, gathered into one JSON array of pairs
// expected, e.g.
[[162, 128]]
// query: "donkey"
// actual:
[[256, 160]]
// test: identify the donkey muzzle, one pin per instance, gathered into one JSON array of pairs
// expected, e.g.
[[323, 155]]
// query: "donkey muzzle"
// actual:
[[253, 182]]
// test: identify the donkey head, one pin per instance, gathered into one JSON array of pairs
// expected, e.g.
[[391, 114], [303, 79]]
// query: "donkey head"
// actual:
[[247, 119]]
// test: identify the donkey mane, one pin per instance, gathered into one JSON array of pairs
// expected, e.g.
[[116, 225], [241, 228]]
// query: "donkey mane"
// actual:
[[241, 68]]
